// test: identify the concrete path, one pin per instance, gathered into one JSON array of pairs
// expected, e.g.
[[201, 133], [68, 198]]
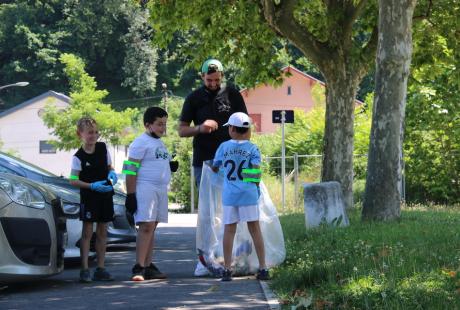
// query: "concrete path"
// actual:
[[175, 256]]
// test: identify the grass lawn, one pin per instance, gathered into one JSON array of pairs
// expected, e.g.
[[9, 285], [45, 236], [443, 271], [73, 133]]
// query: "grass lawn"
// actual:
[[410, 264]]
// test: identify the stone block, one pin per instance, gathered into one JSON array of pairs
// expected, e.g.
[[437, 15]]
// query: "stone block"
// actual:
[[323, 203]]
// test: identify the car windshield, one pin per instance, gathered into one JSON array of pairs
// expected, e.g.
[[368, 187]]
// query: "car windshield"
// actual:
[[26, 165]]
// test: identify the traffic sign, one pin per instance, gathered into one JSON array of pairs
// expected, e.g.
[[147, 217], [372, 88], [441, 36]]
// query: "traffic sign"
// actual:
[[288, 117]]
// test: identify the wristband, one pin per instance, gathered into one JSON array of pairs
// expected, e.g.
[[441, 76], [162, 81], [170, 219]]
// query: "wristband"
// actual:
[[74, 174]]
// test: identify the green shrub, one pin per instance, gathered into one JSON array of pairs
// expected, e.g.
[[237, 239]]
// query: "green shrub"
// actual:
[[182, 148], [432, 143]]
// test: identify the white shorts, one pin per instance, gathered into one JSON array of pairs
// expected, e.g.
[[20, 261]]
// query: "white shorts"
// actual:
[[152, 204], [236, 214]]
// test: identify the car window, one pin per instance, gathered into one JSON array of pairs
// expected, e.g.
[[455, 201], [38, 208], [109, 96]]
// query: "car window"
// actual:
[[26, 165]]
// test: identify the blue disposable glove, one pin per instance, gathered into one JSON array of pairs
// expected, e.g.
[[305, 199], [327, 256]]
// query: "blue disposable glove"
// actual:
[[100, 187], [113, 177]]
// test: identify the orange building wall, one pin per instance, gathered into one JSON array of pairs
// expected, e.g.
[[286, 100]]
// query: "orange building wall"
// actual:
[[264, 98]]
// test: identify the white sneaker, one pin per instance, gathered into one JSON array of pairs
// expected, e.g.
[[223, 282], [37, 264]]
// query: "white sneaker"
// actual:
[[201, 270]]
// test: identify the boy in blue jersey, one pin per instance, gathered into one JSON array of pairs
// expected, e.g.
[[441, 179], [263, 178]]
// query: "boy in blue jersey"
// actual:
[[240, 160]]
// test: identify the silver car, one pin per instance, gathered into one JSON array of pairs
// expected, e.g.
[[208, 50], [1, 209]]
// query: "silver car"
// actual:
[[32, 230], [121, 230], [71, 205]]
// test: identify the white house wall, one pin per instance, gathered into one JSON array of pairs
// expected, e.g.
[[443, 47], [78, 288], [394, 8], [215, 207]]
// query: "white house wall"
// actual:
[[22, 130]]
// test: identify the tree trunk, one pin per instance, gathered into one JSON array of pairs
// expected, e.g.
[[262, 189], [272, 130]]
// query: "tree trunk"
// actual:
[[338, 132], [343, 64], [383, 183]]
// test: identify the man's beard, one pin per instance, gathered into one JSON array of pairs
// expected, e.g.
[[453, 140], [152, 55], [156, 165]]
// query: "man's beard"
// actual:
[[213, 91]]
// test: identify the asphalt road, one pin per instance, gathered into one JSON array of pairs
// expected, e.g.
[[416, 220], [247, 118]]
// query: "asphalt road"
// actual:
[[175, 256]]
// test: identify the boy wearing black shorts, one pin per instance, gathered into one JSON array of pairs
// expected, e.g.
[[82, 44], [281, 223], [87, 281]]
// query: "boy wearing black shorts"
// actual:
[[93, 174]]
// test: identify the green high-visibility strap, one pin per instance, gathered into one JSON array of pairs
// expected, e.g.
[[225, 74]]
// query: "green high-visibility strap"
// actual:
[[128, 162], [251, 171], [129, 172], [252, 180], [251, 175], [74, 177], [130, 167]]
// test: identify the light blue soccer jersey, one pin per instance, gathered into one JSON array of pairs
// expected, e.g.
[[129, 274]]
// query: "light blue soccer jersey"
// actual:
[[233, 156]]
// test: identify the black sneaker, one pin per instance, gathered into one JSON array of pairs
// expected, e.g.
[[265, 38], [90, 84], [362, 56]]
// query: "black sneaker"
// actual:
[[152, 272], [227, 275], [263, 274], [100, 274], [85, 276], [138, 273]]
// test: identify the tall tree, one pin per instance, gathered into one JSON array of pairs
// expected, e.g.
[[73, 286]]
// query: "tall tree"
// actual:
[[30, 44], [339, 37], [383, 183], [114, 127], [112, 36]]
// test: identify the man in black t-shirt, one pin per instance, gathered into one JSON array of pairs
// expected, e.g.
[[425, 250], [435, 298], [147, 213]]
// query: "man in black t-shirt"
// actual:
[[209, 107]]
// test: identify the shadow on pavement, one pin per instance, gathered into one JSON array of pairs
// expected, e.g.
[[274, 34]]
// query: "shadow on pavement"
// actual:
[[174, 255]]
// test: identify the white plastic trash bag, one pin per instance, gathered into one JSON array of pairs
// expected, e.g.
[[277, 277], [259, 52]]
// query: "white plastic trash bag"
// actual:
[[210, 231]]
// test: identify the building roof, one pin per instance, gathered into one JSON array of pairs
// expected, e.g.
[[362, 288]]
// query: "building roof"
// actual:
[[49, 93], [290, 68]]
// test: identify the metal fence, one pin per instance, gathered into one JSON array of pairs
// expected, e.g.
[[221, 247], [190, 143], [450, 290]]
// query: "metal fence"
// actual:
[[299, 169]]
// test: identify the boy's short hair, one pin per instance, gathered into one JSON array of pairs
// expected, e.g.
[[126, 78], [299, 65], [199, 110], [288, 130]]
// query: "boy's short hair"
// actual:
[[85, 122], [241, 130], [152, 113]]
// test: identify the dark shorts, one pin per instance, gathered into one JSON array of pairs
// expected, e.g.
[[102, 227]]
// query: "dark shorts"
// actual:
[[100, 211]]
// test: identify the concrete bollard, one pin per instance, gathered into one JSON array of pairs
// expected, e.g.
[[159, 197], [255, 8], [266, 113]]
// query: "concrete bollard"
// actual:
[[323, 203]]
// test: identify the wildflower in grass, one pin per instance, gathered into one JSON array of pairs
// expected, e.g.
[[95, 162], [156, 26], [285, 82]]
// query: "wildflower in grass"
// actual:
[[384, 252]]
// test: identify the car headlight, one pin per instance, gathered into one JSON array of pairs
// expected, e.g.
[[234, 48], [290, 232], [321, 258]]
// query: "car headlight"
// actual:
[[23, 193], [66, 195], [70, 208]]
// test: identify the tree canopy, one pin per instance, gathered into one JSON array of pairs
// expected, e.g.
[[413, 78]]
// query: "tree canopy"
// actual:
[[113, 38], [432, 141], [114, 127], [339, 37]]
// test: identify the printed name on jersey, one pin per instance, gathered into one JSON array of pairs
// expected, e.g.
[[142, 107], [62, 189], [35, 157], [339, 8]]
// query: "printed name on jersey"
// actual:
[[236, 151]]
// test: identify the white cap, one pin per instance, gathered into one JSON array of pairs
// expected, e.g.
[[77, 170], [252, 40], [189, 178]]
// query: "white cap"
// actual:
[[239, 119]]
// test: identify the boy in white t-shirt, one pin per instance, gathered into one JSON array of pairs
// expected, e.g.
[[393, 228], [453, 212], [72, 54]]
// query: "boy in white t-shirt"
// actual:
[[240, 160], [148, 172]]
